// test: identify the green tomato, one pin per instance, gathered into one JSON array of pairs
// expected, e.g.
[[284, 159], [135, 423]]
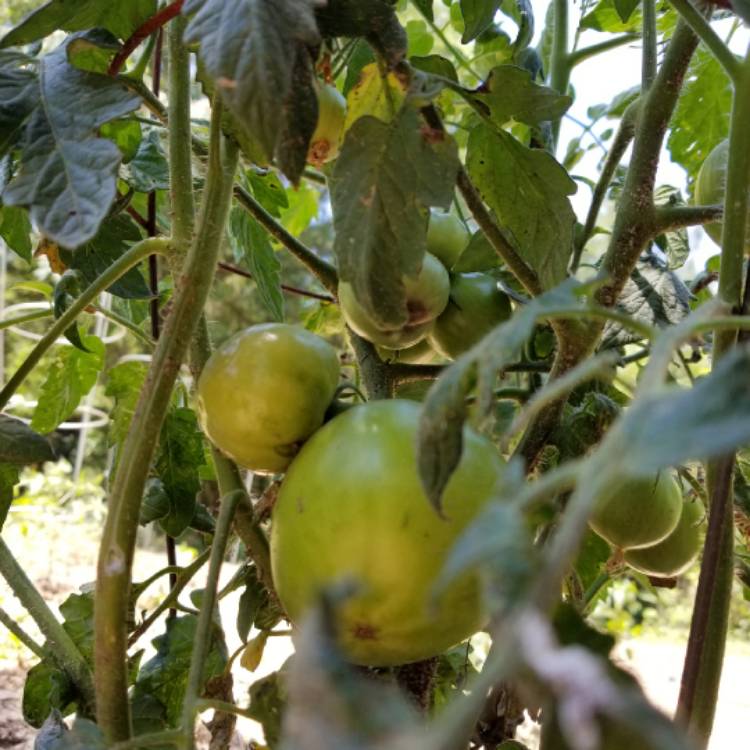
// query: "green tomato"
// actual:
[[710, 186], [447, 236], [265, 391], [673, 555], [638, 512], [329, 131], [352, 507], [426, 297], [475, 307]]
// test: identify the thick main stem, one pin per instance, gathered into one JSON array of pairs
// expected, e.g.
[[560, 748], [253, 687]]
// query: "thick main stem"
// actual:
[[701, 676], [118, 539]]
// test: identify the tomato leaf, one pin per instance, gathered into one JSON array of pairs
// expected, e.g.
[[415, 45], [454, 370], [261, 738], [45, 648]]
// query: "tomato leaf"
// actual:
[[78, 614], [384, 179], [46, 688], [121, 18], [606, 16], [20, 445], [701, 119], [250, 48], [511, 94], [15, 229], [478, 16], [124, 385], [54, 735], [375, 94], [528, 191], [148, 170], [69, 378], [478, 255], [115, 236], [67, 174], [437, 65], [253, 248]]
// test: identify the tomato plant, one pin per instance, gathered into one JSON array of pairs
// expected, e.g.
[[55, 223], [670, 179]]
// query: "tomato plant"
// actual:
[[388, 300]]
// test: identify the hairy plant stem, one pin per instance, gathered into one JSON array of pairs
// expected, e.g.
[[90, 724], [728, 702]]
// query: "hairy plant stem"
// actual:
[[560, 65], [580, 55], [648, 58], [25, 318], [118, 539], [699, 689], [119, 268], [634, 224], [60, 645], [203, 637], [669, 218]]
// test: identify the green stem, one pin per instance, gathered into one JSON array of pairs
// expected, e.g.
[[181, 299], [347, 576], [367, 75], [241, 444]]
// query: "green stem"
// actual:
[[376, 374], [324, 272], [25, 318], [184, 576], [591, 592], [560, 63], [702, 27], [648, 58], [203, 635], [580, 55], [118, 538], [669, 218], [180, 154], [64, 651], [623, 137], [142, 336], [21, 634], [701, 676], [121, 266]]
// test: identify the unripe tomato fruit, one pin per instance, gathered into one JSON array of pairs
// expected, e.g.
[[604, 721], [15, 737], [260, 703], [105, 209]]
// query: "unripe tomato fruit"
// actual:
[[352, 507], [426, 297], [710, 186], [264, 392], [447, 236], [673, 555], [639, 512], [326, 140], [475, 307]]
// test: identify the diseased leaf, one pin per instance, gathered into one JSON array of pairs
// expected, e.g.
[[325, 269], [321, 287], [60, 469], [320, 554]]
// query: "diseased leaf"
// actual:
[[177, 463], [121, 18], [67, 174], [115, 236], [250, 48], [653, 294], [701, 119], [69, 378], [384, 179], [528, 191], [20, 445], [375, 95], [15, 229], [511, 94], [252, 247], [478, 15]]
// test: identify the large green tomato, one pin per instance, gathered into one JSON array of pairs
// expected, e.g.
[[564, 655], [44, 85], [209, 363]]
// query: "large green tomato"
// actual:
[[447, 236], [426, 297], [673, 555], [326, 140], [638, 512], [352, 507], [710, 186], [475, 307], [265, 391]]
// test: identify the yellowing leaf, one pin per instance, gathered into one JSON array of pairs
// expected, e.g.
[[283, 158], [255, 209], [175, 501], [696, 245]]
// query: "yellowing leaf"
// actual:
[[376, 95], [253, 653]]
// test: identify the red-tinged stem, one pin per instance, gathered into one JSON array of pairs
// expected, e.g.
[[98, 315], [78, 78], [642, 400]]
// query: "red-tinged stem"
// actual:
[[144, 31]]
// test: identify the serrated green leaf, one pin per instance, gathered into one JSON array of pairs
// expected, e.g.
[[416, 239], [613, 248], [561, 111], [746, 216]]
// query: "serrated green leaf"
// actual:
[[419, 37], [46, 688], [606, 17], [148, 170], [528, 191], [269, 191], [124, 385], [20, 445], [625, 8], [478, 16], [511, 94], [78, 613], [437, 65], [126, 134], [15, 229], [384, 179], [121, 18], [255, 71], [92, 50], [701, 119], [252, 247], [302, 209], [179, 458], [155, 503], [115, 236], [67, 174], [69, 378]]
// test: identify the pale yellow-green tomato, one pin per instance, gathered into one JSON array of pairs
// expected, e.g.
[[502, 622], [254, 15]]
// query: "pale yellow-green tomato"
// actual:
[[447, 237], [265, 391], [352, 508]]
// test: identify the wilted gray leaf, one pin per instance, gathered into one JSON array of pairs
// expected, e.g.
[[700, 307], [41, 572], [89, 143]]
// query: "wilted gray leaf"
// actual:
[[67, 174]]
